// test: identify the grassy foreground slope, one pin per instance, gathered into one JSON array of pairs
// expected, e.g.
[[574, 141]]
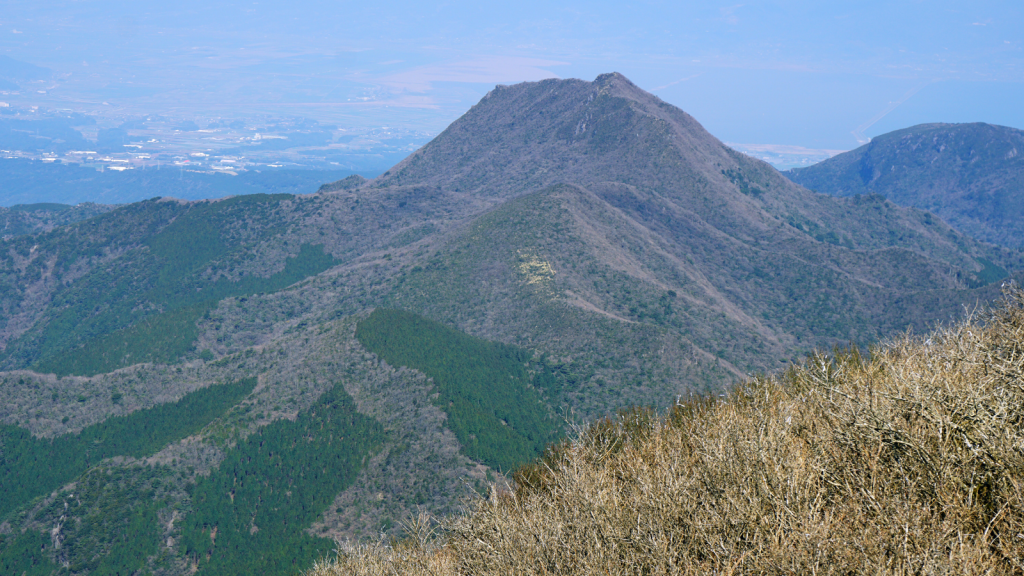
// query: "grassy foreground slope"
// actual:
[[905, 462]]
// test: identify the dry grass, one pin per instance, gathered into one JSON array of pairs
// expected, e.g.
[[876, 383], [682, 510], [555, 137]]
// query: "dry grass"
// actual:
[[907, 462]]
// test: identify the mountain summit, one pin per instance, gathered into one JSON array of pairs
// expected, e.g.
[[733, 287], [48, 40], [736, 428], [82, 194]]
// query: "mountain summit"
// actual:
[[220, 387], [645, 192], [528, 135], [521, 138]]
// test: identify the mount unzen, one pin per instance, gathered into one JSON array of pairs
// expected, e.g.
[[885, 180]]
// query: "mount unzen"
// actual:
[[314, 367]]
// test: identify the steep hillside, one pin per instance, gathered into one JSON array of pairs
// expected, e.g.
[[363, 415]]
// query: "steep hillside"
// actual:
[[970, 175], [565, 249], [624, 200], [907, 461], [34, 218]]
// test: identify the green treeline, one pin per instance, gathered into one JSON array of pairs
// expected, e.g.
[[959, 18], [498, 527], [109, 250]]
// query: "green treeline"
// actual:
[[129, 540], [143, 305], [250, 515], [989, 274], [158, 339], [166, 337], [31, 467], [26, 554], [116, 528], [493, 403], [108, 525]]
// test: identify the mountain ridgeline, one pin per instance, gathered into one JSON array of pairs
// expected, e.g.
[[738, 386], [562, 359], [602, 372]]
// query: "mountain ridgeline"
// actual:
[[970, 175], [565, 249], [22, 219]]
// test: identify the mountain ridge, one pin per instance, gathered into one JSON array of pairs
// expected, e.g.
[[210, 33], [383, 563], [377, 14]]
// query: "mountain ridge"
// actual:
[[971, 175], [615, 252]]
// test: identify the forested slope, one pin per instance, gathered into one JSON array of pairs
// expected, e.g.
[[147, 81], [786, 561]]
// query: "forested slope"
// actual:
[[970, 175], [905, 460], [564, 250]]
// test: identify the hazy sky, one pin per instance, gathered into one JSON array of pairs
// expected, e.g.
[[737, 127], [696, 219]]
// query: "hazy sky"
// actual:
[[815, 74]]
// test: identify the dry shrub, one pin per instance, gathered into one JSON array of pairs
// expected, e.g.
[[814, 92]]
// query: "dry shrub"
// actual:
[[909, 461]]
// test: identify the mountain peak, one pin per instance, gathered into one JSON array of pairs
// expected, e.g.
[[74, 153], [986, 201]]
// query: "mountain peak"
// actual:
[[522, 137], [616, 84], [614, 80], [968, 174]]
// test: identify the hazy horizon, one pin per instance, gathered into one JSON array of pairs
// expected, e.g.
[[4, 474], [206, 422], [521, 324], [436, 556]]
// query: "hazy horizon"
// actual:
[[797, 74]]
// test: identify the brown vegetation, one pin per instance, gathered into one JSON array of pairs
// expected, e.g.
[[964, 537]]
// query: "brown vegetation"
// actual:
[[587, 222], [910, 461]]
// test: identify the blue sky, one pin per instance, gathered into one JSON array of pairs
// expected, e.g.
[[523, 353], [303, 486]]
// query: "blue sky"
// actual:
[[814, 74]]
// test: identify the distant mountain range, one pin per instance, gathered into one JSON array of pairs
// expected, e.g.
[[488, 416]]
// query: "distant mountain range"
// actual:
[[970, 175], [223, 386], [13, 71]]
